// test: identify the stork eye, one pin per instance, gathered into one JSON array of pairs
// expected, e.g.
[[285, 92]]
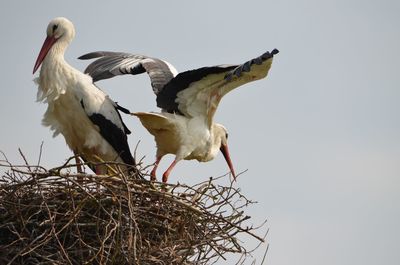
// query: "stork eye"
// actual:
[[55, 27], [226, 136]]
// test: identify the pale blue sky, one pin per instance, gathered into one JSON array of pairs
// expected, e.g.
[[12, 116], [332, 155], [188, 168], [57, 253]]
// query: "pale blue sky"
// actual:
[[319, 136]]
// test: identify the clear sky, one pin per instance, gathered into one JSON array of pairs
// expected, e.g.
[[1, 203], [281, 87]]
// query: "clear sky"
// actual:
[[320, 136]]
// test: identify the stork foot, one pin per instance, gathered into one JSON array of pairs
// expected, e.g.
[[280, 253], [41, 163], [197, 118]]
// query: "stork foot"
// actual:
[[98, 171], [153, 171], [78, 164], [153, 174], [166, 173], [165, 177], [79, 169]]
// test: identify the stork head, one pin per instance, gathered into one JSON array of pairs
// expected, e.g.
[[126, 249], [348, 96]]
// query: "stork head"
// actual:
[[61, 31], [221, 136]]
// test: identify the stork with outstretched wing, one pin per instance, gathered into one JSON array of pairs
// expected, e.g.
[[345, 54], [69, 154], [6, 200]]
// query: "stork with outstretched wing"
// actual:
[[188, 100]]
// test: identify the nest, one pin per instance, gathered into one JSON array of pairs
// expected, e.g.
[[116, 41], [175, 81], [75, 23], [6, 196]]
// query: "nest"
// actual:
[[59, 217]]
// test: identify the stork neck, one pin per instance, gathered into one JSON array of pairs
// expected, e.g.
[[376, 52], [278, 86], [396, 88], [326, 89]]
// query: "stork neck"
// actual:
[[52, 64], [56, 75], [57, 51], [213, 145], [54, 60]]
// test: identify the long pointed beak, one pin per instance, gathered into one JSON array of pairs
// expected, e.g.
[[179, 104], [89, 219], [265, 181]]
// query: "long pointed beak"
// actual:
[[48, 43], [225, 152]]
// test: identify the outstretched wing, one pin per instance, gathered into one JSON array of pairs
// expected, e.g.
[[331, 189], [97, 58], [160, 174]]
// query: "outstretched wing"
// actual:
[[110, 64], [198, 92]]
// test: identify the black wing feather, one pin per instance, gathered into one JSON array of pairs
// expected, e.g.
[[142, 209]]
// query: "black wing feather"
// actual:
[[110, 64], [167, 96], [116, 137]]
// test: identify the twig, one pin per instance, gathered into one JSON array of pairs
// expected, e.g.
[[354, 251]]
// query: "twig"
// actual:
[[49, 217]]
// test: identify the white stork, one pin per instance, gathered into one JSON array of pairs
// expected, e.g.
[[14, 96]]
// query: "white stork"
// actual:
[[87, 118], [188, 101]]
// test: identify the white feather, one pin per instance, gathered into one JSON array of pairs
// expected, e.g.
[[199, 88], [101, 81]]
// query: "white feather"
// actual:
[[65, 89]]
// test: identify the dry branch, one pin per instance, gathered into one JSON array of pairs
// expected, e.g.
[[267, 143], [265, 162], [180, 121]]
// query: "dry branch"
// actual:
[[48, 217]]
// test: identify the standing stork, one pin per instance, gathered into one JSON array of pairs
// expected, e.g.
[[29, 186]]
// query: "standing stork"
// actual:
[[87, 118], [188, 101]]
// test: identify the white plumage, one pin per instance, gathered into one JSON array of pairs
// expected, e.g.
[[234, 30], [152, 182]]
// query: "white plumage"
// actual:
[[86, 117], [188, 100]]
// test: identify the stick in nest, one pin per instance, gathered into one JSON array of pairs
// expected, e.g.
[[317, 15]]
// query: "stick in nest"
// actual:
[[46, 216]]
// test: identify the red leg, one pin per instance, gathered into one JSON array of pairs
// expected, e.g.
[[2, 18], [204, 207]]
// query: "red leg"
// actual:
[[97, 169], [98, 172], [166, 173], [153, 171], [78, 163]]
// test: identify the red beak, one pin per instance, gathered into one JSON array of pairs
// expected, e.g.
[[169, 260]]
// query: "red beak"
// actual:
[[225, 152], [48, 43]]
